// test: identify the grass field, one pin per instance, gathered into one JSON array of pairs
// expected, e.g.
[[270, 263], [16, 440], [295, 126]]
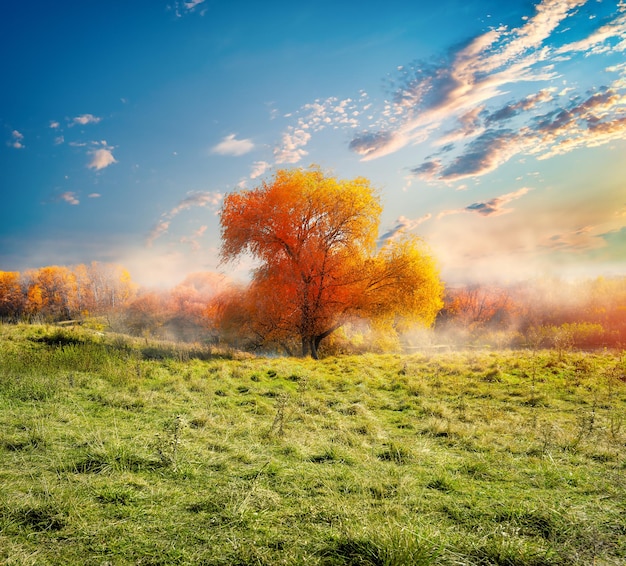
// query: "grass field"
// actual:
[[115, 451]]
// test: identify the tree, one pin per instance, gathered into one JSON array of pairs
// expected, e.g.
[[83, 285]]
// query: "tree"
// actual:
[[316, 239], [53, 291], [12, 300]]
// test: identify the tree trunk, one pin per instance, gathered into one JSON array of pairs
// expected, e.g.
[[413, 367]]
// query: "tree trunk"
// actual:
[[314, 345], [305, 346]]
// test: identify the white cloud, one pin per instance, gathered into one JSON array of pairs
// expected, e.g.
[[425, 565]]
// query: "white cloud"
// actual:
[[186, 6], [291, 147], [230, 145], [16, 140], [315, 117], [94, 195], [101, 158], [54, 124], [258, 168], [70, 198], [85, 119], [614, 29]]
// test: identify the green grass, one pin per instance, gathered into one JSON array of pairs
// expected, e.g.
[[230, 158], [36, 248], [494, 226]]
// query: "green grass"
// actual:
[[115, 451]]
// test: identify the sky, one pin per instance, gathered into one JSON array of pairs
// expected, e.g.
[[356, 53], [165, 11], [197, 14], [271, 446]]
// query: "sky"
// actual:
[[495, 131]]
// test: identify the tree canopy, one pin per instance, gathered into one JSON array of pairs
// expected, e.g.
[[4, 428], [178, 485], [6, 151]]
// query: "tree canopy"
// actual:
[[316, 240]]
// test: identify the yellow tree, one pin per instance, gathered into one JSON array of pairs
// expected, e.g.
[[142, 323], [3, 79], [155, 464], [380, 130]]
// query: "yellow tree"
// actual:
[[52, 290], [315, 237]]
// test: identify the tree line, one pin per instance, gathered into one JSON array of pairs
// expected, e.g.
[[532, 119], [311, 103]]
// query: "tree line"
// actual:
[[211, 307], [548, 312], [54, 293], [323, 280]]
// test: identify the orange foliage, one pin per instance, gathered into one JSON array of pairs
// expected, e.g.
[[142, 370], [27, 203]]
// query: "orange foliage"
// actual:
[[591, 312], [11, 297], [316, 239], [60, 293]]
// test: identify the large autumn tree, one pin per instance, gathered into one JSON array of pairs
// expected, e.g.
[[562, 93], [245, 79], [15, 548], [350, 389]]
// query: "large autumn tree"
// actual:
[[316, 240]]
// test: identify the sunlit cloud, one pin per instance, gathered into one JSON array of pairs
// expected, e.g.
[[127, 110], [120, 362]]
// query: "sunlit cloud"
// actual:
[[94, 195], [493, 207], [203, 199], [200, 199], [230, 145], [16, 141], [291, 149], [452, 103], [85, 119], [476, 73], [54, 124], [402, 226], [581, 239], [258, 168], [314, 117], [70, 198], [157, 231], [598, 41], [513, 109]]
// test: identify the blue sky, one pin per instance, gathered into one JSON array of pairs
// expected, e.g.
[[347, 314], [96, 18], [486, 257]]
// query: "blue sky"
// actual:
[[494, 130]]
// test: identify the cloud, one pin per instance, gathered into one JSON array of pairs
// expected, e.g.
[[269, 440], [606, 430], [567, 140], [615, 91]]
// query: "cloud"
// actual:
[[186, 6], [314, 117], [258, 168], [70, 198], [598, 41], [483, 155], [94, 195], [590, 122], [230, 145], [201, 199], [54, 124], [16, 140], [579, 240], [101, 158], [157, 231], [513, 109], [428, 170], [474, 74], [402, 225], [453, 102], [492, 207], [595, 121], [291, 147], [85, 119], [377, 144]]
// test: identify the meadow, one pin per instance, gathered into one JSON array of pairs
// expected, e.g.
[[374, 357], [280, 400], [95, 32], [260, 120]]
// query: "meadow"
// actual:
[[121, 451]]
